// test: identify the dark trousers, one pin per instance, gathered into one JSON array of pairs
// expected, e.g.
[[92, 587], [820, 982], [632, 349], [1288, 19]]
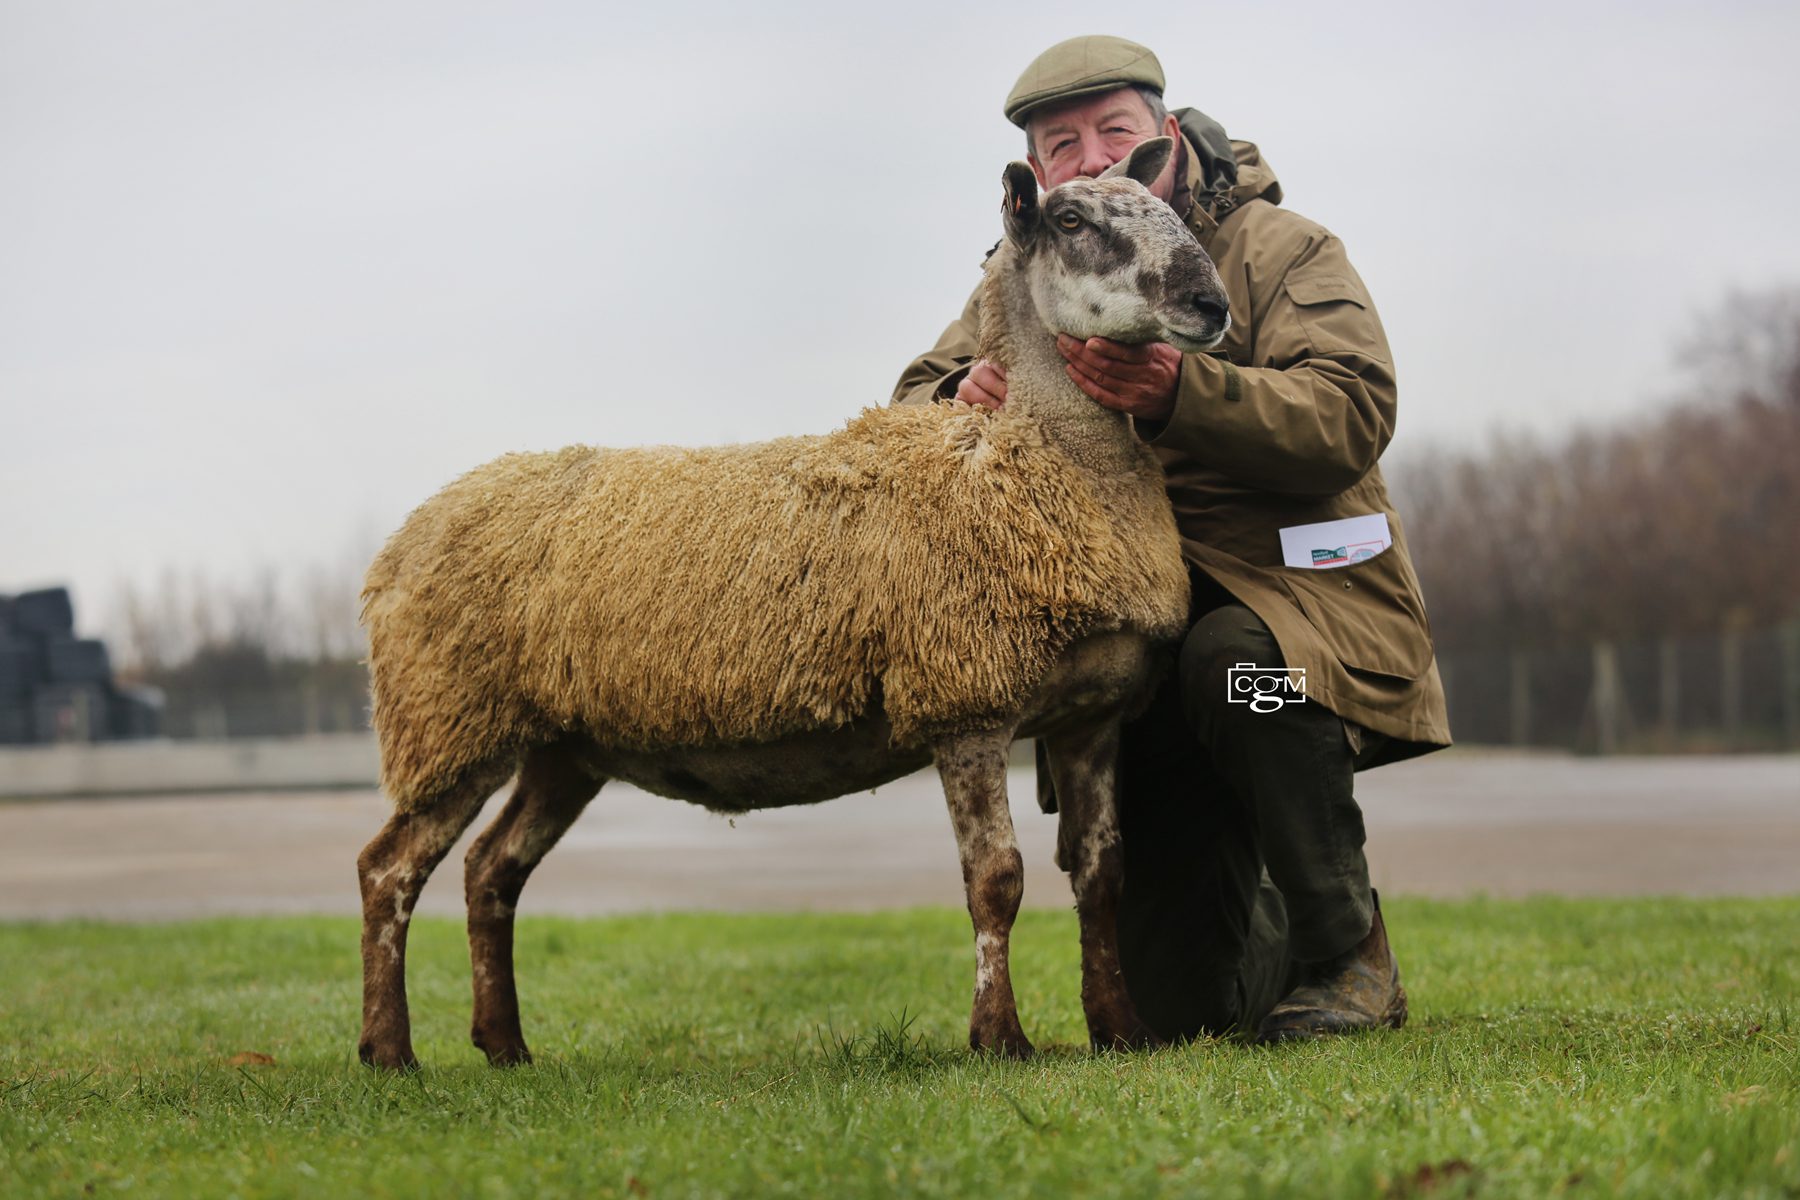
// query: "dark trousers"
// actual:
[[1243, 843]]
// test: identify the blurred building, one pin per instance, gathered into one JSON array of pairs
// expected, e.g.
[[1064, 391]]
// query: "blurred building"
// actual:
[[57, 687]]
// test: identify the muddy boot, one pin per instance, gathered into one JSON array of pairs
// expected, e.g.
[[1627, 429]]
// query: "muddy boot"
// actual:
[[1359, 989]]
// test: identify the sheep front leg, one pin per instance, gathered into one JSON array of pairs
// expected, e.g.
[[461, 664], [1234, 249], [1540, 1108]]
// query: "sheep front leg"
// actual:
[[974, 773], [1084, 766]]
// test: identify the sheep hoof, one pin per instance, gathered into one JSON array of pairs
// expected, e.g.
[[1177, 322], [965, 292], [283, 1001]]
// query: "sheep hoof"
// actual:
[[1009, 1044], [503, 1048], [388, 1057], [1139, 1038], [508, 1056]]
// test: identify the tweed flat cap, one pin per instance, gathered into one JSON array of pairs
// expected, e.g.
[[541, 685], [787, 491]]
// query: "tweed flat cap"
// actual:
[[1079, 67]]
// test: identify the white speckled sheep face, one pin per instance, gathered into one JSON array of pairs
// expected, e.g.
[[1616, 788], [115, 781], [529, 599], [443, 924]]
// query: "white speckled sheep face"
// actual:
[[1105, 258]]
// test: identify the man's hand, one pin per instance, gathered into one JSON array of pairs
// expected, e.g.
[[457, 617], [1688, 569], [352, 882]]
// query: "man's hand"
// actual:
[[985, 384], [1140, 380]]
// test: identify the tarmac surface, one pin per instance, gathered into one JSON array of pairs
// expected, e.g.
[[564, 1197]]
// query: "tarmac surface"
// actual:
[[1452, 824]]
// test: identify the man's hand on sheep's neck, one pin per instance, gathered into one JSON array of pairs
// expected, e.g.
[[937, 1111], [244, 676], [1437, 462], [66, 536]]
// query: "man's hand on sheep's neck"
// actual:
[[1140, 380]]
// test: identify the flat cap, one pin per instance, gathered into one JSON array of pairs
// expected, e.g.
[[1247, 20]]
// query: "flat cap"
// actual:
[[1082, 66]]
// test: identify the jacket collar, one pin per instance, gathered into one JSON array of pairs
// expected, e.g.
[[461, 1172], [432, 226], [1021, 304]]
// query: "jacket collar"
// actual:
[[1218, 174]]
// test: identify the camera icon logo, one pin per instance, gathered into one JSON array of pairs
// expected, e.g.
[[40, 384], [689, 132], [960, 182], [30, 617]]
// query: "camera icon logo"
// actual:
[[1265, 689]]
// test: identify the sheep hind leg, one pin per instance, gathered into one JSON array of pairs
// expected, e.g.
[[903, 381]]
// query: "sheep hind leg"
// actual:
[[553, 790], [1084, 765], [973, 770], [392, 870]]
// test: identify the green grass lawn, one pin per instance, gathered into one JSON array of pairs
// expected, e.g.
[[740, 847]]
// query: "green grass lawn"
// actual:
[[1643, 1048]]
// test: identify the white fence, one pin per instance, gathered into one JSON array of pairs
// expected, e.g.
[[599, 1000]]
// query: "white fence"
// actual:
[[241, 764]]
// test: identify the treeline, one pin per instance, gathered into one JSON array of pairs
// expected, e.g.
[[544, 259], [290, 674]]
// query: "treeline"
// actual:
[[1621, 585], [260, 658]]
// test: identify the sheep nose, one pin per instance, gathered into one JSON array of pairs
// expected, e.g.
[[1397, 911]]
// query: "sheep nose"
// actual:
[[1213, 308]]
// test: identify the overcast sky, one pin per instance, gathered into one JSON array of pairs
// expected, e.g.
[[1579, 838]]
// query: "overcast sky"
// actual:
[[271, 273]]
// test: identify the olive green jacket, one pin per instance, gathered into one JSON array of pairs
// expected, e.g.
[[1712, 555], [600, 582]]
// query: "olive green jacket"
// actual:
[[1283, 425]]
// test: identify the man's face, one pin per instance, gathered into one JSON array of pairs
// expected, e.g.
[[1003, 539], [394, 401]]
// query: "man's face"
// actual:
[[1089, 134]]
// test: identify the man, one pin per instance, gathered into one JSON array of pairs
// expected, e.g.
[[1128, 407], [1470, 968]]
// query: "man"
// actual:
[[1247, 904]]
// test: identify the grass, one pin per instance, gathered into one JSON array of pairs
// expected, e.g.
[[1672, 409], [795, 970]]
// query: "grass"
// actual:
[[1637, 1048]]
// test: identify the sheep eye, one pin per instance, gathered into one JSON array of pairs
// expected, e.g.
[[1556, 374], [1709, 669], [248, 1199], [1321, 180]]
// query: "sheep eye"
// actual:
[[1068, 220]]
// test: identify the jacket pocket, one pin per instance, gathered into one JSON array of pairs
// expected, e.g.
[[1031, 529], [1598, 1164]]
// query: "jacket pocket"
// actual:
[[1334, 311], [1369, 613]]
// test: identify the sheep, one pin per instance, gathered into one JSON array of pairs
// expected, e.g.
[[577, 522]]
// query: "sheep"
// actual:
[[781, 623]]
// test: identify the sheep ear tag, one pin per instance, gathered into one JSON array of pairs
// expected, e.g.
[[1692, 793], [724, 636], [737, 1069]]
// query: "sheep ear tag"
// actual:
[[1145, 162], [1020, 205]]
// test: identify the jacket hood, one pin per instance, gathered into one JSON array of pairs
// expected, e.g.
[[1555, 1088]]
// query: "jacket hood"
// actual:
[[1223, 173]]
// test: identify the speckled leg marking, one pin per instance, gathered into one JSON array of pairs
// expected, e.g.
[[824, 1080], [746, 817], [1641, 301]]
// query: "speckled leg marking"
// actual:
[[552, 792], [974, 773], [393, 868], [1083, 764]]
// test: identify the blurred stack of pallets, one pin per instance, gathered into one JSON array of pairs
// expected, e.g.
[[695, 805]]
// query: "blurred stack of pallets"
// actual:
[[56, 687]]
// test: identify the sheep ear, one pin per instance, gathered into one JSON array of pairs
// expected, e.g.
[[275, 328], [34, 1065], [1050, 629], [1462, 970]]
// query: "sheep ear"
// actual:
[[1020, 206], [1145, 162]]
